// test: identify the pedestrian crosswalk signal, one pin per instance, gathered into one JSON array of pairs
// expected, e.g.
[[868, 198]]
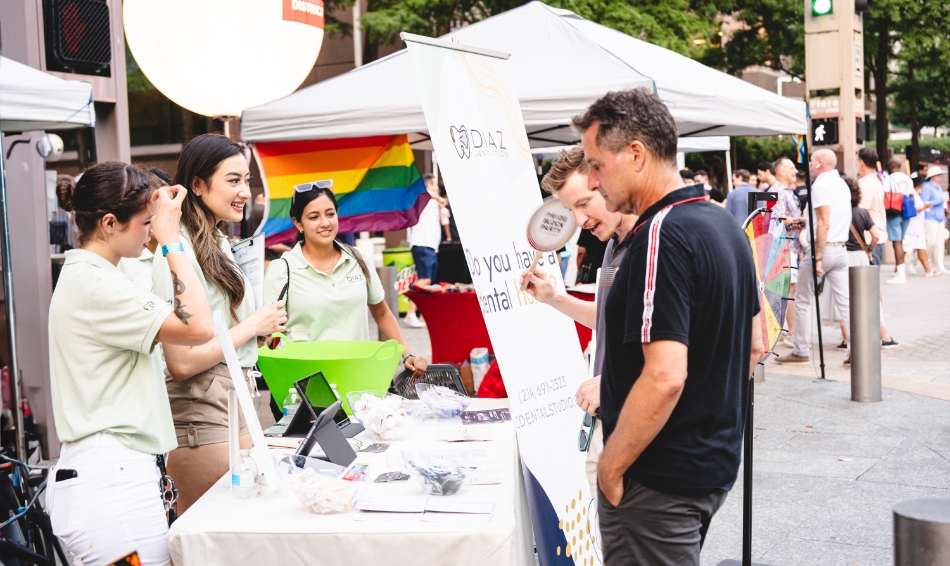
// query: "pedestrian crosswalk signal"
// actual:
[[821, 7], [824, 131]]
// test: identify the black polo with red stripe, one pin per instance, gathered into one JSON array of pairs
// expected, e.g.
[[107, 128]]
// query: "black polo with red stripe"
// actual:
[[689, 277]]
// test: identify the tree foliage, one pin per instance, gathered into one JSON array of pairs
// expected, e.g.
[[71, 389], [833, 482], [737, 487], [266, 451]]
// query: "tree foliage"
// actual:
[[687, 27], [770, 33], [387, 18]]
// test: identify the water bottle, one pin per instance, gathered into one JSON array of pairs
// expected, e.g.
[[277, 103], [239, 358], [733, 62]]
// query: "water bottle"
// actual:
[[478, 358], [244, 476], [291, 403]]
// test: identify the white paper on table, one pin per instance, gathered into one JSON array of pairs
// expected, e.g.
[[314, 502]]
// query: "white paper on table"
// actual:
[[249, 255], [376, 517], [259, 452], [466, 458], [483, 475], [430, 517], [441, 504], [468, 434], [399, 504]]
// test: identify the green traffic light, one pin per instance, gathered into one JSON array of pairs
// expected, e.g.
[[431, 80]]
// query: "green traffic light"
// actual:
[[821, 7]]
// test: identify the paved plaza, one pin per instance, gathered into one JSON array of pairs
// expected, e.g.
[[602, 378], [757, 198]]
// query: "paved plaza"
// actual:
[[828, 471]]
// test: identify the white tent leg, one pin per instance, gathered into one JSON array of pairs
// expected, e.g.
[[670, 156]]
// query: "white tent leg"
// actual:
[[729, 170]]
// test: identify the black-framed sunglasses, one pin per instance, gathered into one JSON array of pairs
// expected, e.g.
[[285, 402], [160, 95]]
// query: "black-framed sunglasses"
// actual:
[[586, 433], [307, 187]]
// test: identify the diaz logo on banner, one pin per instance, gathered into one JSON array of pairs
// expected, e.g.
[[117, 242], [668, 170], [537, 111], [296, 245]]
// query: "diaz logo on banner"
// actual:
[[486, 143]]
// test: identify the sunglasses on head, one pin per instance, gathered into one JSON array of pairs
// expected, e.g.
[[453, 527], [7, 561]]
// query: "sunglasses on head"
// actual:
[[307, 187]]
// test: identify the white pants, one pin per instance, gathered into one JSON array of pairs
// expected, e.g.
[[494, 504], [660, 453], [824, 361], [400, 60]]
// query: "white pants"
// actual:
[[834, 264], [113, 507], [933, 231]]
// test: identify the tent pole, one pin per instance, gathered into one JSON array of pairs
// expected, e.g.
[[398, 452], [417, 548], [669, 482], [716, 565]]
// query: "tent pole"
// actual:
[[16, 400], [728, 171], [814, 263]]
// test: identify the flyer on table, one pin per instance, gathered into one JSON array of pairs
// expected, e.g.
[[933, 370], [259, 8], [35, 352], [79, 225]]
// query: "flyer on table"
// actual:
[[478, 134]]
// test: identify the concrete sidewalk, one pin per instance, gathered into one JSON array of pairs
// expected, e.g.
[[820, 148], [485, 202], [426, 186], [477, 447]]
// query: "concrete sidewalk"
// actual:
[[827, 472]]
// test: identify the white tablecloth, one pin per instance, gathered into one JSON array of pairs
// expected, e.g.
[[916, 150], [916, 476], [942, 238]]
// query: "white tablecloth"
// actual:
[[276, 529]]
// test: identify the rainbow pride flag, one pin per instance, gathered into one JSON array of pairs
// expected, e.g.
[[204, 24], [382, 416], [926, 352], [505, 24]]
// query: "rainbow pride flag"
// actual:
[[377, 184]]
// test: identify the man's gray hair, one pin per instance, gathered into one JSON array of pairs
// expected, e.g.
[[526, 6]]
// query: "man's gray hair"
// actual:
[[628, 115]]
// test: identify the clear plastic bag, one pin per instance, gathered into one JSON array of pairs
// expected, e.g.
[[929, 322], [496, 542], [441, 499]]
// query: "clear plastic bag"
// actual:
[[443, 402], [383, 415], [320, 491], [436, 476]]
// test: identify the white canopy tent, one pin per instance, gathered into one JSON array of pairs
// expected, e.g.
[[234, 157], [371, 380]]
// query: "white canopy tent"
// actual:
[[31, 100], [560, 63]]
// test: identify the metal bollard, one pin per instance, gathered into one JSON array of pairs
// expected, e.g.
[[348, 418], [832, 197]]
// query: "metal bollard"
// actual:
[[387, 276], [864, 290], [922, 532]]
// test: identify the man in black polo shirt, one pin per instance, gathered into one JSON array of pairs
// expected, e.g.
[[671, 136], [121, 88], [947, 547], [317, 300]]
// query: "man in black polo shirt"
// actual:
[[682, 339]]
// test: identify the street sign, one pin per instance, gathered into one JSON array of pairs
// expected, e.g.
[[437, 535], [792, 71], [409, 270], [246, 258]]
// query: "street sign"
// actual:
[[824, 131]]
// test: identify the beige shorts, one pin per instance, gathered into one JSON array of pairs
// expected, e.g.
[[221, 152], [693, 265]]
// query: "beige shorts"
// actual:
[[200, 406]]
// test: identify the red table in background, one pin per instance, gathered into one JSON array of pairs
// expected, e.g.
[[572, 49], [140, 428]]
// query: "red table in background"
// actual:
[[456, 325], [583, 333]]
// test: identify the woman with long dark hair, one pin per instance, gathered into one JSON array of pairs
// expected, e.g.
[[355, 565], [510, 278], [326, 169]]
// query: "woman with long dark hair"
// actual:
[[215, 170], [330, 283], [109, 403]]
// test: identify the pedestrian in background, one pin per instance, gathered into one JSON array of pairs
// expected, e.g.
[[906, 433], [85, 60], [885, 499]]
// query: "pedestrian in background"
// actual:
[[424, 240], [934, 217], [861, 240], [765, 175], [737, 201], [915, 239], [789, 210], [830, 214], [897, 182], [872, 200]]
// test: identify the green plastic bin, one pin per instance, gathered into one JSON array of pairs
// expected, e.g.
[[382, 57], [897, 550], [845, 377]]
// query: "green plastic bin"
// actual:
[[351, 366], [400, 258]]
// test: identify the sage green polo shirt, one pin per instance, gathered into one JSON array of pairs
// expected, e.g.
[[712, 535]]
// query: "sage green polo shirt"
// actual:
[[320, 306], [102, 328], [162, 285]]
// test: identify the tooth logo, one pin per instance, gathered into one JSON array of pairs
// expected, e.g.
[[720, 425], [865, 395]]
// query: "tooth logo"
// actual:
[[460, 140]]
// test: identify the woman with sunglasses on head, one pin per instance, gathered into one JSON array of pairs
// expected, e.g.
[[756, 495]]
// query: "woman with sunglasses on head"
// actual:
[[330, 284], [109, 402], [216, 173]]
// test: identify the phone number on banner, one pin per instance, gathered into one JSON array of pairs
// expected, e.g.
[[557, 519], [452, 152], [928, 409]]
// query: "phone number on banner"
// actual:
[[542, 389]]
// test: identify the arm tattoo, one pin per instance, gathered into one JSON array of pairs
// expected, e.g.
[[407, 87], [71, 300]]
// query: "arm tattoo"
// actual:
[[179, 288]]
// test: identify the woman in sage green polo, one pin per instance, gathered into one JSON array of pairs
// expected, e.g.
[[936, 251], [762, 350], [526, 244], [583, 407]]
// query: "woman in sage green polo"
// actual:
[[216, 173], [330, 284], [109, 404]]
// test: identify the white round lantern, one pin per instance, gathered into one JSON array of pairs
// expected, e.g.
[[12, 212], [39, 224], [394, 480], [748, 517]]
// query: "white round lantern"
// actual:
[[218, 57]]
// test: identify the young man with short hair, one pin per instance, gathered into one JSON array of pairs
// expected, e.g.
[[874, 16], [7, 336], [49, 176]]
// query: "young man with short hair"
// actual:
[[567, 180], [737, 201], [682, 338], [872, 199]]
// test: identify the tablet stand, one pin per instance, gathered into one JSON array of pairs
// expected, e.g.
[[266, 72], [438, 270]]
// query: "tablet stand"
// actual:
[[325, 433]]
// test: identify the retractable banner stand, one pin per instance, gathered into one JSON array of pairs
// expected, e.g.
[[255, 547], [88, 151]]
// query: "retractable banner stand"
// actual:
[[478, 134]]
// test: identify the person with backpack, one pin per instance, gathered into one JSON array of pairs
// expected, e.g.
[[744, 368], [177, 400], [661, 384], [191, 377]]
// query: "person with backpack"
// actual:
[[328, 282]]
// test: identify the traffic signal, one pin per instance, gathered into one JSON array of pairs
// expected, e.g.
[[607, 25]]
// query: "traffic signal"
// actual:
[[822, 7], [824, 131], [78, 36]]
